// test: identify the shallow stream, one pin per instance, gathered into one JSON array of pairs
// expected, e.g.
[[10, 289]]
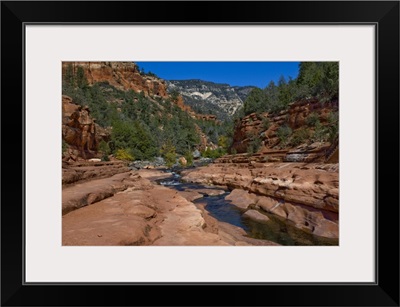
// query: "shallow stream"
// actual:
[[276, 229]]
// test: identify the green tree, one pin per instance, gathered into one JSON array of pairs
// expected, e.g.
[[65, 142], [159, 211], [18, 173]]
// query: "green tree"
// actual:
[[330, 79], [189, 158], [319, 79], [254, 142], [320, 133], [300, 136], [169, 153], [312, 119], [174, 95], [64, 146], [333, 126], [266, 123], [255, 102], [104, 147], [142, 143], [69, 77], [283, 133], [81, 80]]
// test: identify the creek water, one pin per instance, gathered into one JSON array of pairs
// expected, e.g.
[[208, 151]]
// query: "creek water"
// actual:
[[277, 229]]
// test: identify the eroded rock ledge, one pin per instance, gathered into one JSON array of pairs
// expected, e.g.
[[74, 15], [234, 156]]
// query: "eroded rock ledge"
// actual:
[[307, 194], [130, 209]]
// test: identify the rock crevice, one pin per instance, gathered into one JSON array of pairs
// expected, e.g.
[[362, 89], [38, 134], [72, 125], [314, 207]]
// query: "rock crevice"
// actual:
[[305, 194]]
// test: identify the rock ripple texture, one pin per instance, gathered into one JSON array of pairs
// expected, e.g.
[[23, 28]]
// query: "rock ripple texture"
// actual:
[[130, 209], [307, 194]]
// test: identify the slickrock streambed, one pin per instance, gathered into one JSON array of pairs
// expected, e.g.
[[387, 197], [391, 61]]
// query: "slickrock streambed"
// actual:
[[129, 208], [258, 224], [303, 196], [214, 206]]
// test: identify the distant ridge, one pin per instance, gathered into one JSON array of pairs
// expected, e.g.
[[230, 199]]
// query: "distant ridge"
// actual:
[[208, 97]]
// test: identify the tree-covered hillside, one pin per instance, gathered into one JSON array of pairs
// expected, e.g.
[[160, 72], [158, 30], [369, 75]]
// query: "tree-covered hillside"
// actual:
[[147, 126], [315, 79], [314, 117], [142, 127]]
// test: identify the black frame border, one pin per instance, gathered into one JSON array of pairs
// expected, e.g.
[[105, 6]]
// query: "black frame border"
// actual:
[[383, 14]]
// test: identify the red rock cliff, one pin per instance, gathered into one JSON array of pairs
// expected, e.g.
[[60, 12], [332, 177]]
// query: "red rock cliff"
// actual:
[[80, 131], [296, 118], [122, 75]]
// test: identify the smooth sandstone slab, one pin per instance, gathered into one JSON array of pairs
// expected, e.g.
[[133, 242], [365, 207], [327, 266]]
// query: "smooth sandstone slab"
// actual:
[[241, 199], [257, 216]]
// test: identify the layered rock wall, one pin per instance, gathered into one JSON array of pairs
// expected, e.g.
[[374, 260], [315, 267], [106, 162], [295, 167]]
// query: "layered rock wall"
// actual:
[[79, 131], [265, 126], [122, 75], [305, 194]]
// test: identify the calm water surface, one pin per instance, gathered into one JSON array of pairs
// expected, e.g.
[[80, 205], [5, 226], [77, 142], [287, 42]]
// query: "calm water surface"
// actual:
[[276, 229]]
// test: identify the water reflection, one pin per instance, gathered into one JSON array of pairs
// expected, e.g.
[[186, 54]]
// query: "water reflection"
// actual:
[[277, 229]]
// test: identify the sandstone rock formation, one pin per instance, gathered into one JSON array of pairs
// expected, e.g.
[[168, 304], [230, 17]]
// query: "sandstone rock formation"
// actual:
[[79, 172], [295, 117], [306, 194], [204, 140], [129, 209], [122, 75], [79, 131]]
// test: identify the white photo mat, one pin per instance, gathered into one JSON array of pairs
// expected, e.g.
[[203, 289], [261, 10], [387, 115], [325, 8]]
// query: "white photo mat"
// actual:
[[352, 261]]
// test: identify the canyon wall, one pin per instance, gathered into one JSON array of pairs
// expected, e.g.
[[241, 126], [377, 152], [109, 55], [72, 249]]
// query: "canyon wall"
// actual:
[[306, 194], [265, 127], [122, 75], [80, 132]]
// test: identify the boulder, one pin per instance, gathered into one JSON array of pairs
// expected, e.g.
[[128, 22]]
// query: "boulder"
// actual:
[[182, 161], [94, 160], [327, 228], [242, 199], [271, 205], [196, 154], [256, 216]]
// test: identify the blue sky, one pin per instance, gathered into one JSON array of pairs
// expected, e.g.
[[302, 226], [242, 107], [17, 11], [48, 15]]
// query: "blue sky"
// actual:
[[233, 73]]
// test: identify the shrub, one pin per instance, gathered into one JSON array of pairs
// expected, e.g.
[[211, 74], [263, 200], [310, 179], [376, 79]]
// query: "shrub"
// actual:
[[250, 135], [320, 133], [250, 150], [223, 141], [124, 154], [64, 146], [168, 151], [81, 80], [254, 145], [283, 133], [170, 158], [312, 119], [104, 148], [333, 118], [255, 102], [333, 132], [266, 123], [213, 153], [189, 158], [333, 126], [300, 136]]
